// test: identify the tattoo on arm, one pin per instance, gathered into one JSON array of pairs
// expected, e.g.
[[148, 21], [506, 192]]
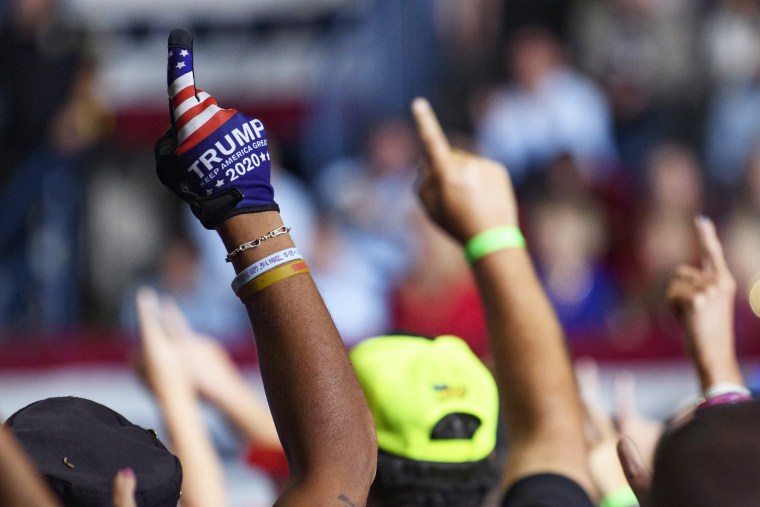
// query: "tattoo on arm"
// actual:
[[346, 501]]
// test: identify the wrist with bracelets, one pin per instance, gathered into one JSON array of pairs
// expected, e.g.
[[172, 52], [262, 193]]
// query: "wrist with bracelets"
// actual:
[[258, 268], [722, 393], [492, 240], [283, 229], [623, 497], [277, 274], [269, 270]]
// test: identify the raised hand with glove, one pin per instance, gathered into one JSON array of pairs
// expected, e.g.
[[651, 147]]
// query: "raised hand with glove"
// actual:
[[215, 159]]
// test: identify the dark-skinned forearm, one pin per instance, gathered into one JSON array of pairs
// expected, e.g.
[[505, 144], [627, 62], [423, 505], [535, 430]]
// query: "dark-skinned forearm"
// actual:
[[316, 401]]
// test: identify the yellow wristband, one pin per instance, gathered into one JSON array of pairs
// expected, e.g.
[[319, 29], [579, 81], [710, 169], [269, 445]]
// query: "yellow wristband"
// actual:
[[492, 240], [623, 497], [272, 276]]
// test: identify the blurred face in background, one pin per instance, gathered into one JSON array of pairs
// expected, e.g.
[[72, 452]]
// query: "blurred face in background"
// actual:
[[534, 53], [29, 14], [392, 148], [675, 181]]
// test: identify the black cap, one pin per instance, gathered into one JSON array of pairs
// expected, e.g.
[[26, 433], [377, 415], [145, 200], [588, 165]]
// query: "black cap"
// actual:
[[79, 446]]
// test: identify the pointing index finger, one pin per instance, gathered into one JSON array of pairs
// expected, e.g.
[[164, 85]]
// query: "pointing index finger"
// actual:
[[179, 71], [434, 141], [710, 248]]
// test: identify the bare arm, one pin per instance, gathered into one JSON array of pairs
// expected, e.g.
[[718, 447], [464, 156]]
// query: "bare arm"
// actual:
[[317, 404], [243, 407], [124, 485], [703, 300], [217, 379], [602, 438], [467, 195], [203, 478]]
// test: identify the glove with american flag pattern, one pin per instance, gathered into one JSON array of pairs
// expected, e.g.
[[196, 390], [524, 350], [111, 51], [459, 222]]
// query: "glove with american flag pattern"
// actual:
[[215, 159]]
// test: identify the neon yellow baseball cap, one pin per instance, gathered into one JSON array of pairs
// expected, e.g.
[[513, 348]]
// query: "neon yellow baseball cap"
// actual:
[[414, 385]]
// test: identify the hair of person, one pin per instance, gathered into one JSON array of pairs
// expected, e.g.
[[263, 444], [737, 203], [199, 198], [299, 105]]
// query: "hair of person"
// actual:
[[712, 459], [405, 482]]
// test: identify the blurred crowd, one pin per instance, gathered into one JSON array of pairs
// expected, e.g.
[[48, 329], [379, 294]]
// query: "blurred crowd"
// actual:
[[620, 122]]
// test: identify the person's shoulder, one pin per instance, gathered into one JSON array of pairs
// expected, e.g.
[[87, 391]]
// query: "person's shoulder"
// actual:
[[573, 85], [546, 490]]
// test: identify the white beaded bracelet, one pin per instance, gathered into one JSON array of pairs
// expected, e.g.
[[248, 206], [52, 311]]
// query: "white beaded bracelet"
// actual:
[[262, 266], [725, 388]]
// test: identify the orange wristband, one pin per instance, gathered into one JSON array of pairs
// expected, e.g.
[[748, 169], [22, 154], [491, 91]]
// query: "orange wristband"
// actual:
[[272, 276]]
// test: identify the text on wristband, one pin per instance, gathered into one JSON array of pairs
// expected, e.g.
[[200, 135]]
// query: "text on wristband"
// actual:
[[276, 259]]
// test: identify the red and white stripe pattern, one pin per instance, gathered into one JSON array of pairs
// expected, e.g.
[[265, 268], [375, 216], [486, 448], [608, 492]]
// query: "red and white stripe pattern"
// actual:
[[196, 113]]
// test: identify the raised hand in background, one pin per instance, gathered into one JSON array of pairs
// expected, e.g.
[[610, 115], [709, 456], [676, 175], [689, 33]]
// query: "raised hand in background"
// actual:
[[702, 298], [472, 199], [161, 367]]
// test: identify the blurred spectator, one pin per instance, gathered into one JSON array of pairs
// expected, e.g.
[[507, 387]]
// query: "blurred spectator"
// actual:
[[741, 236], [374, 192], [355, 273], [663, 229], [747, 198], [181, 274], [732, 131], [365, 244], [702, 299], [470, 36], [549, 14], [438, 294], [731, 38], [742, 241], [386, 54], [547, 109], [674, 182], [127, 224], [642, 54], [48, 117], [569, 244]]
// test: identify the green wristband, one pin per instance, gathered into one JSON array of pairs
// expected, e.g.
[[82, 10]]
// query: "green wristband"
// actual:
[[492, 240], [622, 497]]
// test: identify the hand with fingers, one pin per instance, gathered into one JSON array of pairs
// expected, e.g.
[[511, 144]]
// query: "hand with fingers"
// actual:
[[124, 485], [205, 360], [703, 300], [463, 193], [215, 159], [472, 199], [216, 378], [159, 363], [602, 438], [641, 429], [163, 371], [637, 472]]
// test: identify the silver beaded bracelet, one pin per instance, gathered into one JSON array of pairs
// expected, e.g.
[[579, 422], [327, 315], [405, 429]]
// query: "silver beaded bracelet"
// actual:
[[257, 242]]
